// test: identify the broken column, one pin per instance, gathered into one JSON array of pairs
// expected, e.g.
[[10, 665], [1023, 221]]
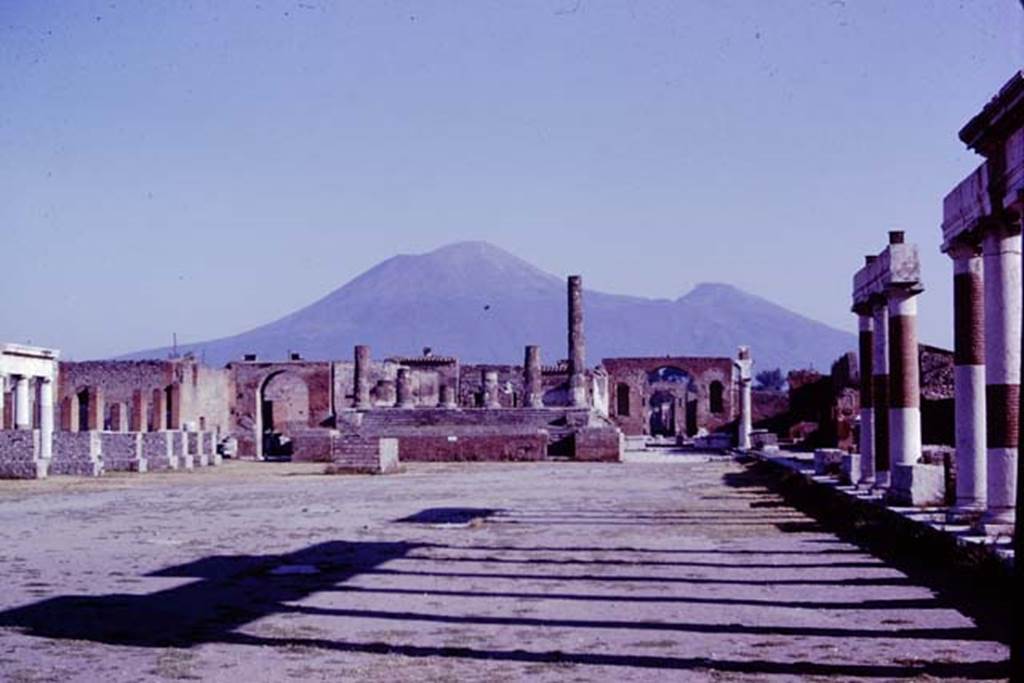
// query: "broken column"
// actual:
[[744, 368], [866, 344], [1001, 247], [492, 396], [362, 377], [533, 386], [577, 363], [403, 387], [447, 396], [969, 377]]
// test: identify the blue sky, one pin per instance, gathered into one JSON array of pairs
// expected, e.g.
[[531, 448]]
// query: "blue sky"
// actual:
[[205, 167]]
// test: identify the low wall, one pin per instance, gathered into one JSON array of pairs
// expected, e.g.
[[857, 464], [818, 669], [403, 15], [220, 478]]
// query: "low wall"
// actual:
[[77, 454], [122, 451], [597, 444], [19, 455], [467, 446]]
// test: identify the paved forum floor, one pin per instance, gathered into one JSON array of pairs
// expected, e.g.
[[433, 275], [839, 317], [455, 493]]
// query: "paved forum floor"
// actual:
[[555, 571]]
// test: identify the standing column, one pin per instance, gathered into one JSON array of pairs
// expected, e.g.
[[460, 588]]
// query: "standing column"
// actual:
[[880, 390], [1002, 254], [533, 395], [744, 365], [867, 412], [22, 411], [46, 418], [95, 410], [362, 377], [3, 397], [403, 385], [577, 364], [904, 379], [969, 377], [174, 406]]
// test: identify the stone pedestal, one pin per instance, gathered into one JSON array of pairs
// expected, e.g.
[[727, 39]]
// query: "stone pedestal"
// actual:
[[179, 448], [828, 461], [917, 485]]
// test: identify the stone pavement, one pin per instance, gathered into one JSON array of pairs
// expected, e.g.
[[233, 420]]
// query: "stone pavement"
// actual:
[[686, 569]]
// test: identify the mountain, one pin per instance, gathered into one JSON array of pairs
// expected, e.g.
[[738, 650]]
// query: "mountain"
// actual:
[[483, 304]]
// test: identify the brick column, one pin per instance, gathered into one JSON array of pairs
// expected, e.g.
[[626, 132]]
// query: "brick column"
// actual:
[[174, 406], [577, 362], [1002, 254], [362, 378], [22, 404], [138, 416], [158, 414], [904, 379], [866, 345], [533, 386], [880, 390], [94, 412], [969, 377]]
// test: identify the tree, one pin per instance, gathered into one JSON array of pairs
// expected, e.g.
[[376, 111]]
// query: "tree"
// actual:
[[770, 380]]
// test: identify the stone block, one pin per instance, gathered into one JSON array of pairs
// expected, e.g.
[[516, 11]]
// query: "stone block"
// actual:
[[77, 454], [19, 455], [828, 461], [194, 448], [353, 454], [763, 440], [917, 485], [122, 452], [849, 470], [179, 447]]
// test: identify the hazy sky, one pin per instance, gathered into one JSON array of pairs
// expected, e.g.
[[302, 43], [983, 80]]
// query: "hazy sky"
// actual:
[[204, 167]]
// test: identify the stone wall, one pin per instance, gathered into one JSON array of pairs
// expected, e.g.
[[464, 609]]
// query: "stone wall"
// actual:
[[77, 453], [469, 446], [122, 452], [19, 455]]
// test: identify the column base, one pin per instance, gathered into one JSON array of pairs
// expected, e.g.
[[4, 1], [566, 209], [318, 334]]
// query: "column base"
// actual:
[[849, 469], [968, 512], [918, 485]]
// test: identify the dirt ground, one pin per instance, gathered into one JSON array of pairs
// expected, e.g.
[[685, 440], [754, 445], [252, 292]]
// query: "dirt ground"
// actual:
[[681, 570]]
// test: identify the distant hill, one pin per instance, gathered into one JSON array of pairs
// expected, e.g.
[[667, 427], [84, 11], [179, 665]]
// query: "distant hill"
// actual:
[[483, 304]]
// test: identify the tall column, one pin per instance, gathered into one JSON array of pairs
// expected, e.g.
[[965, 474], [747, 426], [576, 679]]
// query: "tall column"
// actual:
[[3, 397], [22, 406], [362, 377], [1002, 254], [46, 418], [867, 411], [404, 388], [492, 398], [880, 390], [577, 362], [533, 393], [904, 379], [158, 413], [745, 365], [969, 377]]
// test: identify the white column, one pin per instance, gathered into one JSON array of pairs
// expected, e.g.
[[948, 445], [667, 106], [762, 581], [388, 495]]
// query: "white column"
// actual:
[[867, 410], [46, 418], [969, 378], [1002, 254], [745, 366], [904, 380], [22, 404]]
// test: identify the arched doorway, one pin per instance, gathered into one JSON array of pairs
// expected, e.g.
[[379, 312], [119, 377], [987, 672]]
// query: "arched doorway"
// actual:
[[672, 405], [283, 404]]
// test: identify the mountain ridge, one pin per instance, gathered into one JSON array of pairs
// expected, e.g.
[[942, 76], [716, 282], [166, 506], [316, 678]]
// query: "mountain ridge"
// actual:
[[481, 303]]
